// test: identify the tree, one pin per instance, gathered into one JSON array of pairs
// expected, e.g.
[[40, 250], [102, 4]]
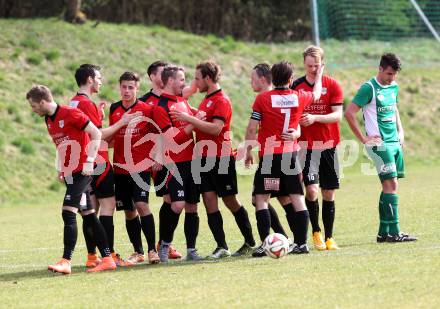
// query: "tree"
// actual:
[[73, 12]]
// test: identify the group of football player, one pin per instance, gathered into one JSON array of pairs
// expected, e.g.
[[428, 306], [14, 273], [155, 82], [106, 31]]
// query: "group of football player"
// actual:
[[294, 122]]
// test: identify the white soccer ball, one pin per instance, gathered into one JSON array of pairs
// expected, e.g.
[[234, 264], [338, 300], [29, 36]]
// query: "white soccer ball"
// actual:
[[276, 245]]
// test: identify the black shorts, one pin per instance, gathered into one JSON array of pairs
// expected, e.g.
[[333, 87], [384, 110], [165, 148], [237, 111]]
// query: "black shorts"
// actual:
[[78, 191], [321, 166], [181, 185], [279, 175], [130, 189], [222, 178], [103, 185], [161, 179]]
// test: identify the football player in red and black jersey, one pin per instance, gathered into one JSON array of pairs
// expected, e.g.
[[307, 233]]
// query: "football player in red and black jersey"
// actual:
[[154, 73], [320, 134], [88, 79], [70, 129], [217, 176], [176, 144], [132, 164], [274, 113], [261, 81]]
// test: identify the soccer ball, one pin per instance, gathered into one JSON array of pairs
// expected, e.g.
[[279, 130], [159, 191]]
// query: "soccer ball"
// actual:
[[276, 245]]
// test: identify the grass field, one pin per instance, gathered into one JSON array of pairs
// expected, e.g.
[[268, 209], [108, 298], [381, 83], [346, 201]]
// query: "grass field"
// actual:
[[361, 274]]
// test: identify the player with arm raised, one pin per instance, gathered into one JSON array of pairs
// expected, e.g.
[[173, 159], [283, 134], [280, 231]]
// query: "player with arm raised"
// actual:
[[89, 81], [159, 173], [132, 164], [320, 134], [221, 179], [176, 144]]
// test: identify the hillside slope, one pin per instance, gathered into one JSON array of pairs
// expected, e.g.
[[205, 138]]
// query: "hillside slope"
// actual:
[[48, 51]]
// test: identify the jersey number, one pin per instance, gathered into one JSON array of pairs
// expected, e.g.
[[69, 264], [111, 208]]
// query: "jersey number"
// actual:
[[286, 111]]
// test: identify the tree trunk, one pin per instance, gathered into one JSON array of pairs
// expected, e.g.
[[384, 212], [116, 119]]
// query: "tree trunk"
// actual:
[[73, 12]]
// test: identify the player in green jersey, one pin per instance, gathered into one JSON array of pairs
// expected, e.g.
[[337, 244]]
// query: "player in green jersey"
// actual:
[[384, 139]]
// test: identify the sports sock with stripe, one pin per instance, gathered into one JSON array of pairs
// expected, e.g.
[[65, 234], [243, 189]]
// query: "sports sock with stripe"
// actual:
[[99, 235], [107, 223]]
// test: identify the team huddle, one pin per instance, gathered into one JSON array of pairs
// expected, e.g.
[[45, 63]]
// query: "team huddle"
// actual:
[[187, 153]]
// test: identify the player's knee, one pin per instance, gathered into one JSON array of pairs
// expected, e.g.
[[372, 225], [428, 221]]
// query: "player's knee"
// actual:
[[87, 212], [130, 214], [210, 200], [284, 200], [328, 195], [232, 203], [390, 185], [107, 206], [177, 207], [312, 192], [190, 208], [167, 199], [142, 208]]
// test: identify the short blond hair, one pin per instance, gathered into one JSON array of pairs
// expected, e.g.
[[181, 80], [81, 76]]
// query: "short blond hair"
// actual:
[[314, 52]]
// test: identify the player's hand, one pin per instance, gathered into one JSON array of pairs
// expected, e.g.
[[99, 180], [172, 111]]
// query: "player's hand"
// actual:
[[249, 160], [179, 116], [190, 90], [307, 119], [102, 106], [401, 138], [201, 115], [321, 69], [60, 177], [156, 167], [87, 168], [132, 118], [290, 135], [372, 141]]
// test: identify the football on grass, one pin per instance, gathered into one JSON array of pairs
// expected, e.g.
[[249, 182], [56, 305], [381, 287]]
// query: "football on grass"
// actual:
[[276, 245]]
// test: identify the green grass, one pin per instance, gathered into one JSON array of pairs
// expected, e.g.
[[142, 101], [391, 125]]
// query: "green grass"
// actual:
[[361, 274], [48, 51]]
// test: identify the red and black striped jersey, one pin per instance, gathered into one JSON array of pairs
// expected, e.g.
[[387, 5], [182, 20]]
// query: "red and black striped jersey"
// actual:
[[88, 107], [321, 135], [179, 147], [132, 145], [150, 98], [66, 128], [217, 106], [278, 111]]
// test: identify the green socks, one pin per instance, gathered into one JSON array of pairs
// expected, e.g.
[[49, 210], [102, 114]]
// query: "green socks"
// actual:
[[388, 214]]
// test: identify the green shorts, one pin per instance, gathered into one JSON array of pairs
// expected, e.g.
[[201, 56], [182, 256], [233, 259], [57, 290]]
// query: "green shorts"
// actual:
[[388, 159]]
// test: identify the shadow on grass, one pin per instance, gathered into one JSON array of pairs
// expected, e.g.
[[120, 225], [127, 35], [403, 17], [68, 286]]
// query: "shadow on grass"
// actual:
[[43, 273]]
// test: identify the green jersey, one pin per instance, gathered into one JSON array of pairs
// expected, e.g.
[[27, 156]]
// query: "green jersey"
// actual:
[[379, 108]]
